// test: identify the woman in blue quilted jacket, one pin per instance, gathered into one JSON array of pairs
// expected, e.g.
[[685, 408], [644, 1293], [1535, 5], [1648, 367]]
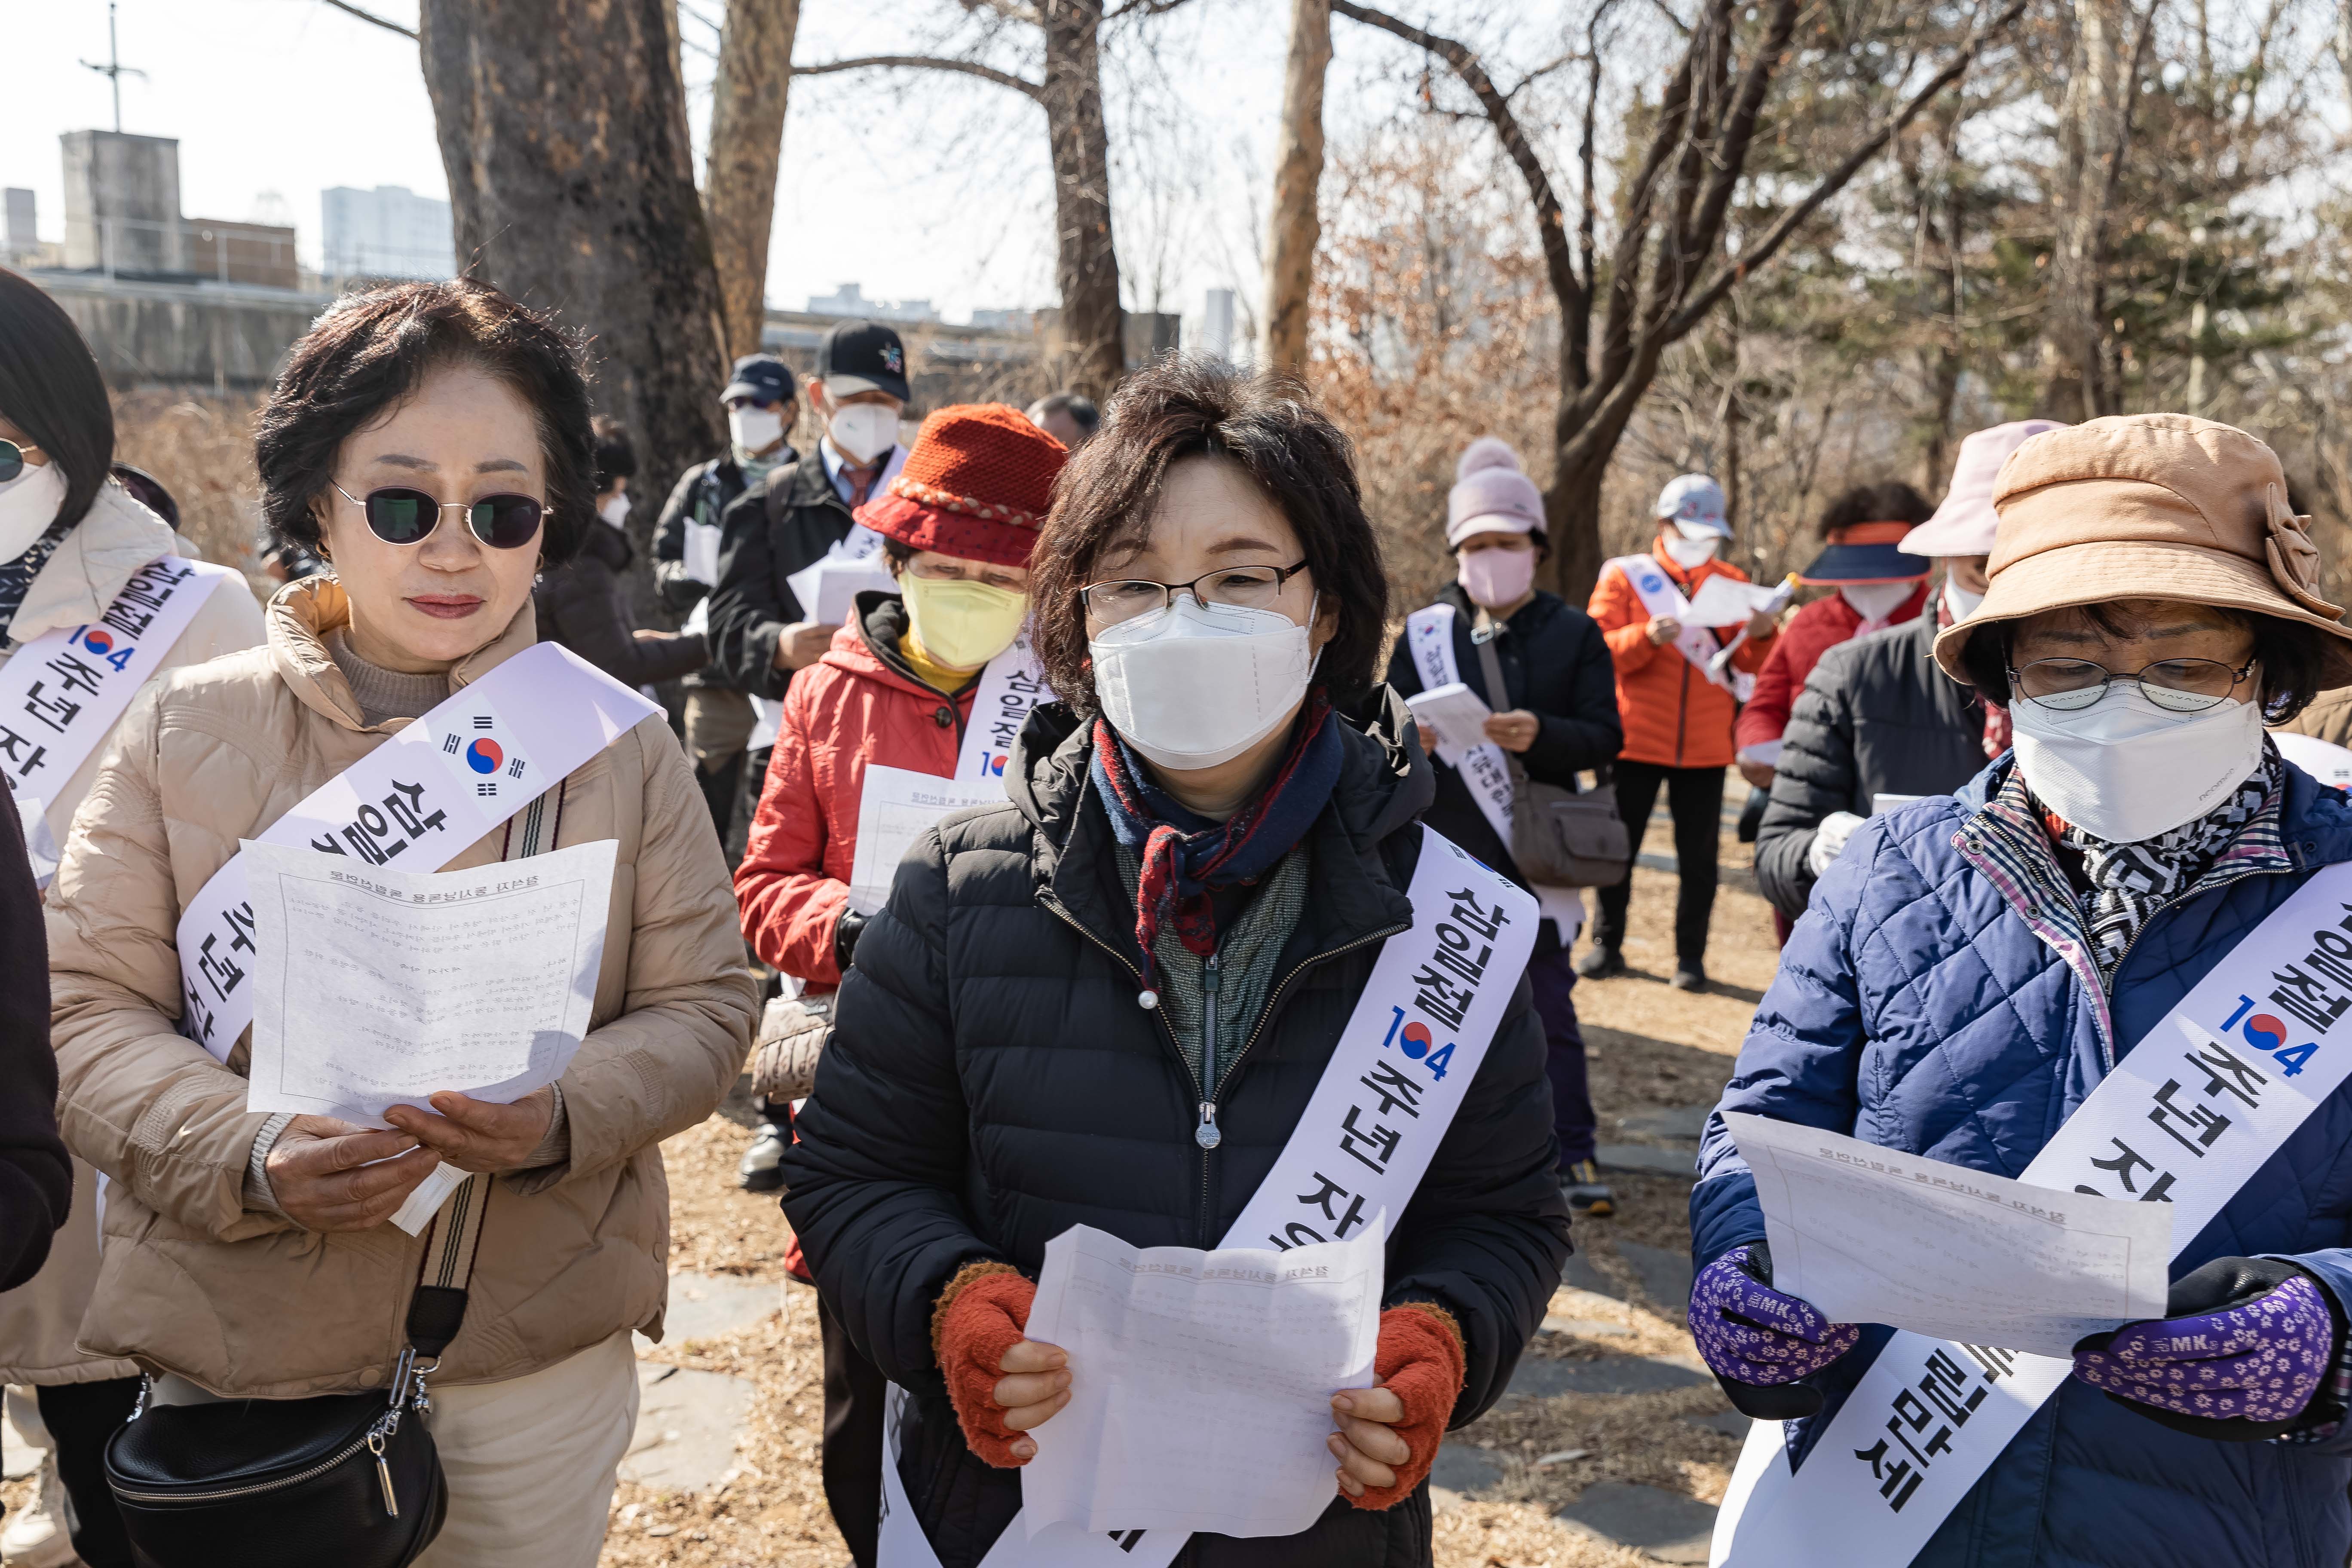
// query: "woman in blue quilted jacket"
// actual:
[[1975, 973]]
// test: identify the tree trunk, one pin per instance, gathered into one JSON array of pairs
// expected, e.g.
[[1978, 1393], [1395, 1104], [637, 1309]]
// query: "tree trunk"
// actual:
[[746, 138], [1296, 225], [1572, 524], [2073, 335], [562, 129], [1086, 266]]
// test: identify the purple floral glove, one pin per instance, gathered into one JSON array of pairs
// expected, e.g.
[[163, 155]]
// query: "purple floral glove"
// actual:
[[2243, 1348], [1753, 1337]]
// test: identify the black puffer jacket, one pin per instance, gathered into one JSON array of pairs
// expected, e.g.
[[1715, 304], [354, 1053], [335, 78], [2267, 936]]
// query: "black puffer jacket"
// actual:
[[582, 605], [1876, 717], [35, 1177], [787, 521], [1555, 664], [991, 1082]]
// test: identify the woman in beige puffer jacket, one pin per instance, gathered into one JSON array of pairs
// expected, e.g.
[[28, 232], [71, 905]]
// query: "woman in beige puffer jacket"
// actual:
[[248, 1258]]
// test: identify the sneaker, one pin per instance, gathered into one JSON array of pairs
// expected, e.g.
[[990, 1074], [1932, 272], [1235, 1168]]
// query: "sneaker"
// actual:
[[762, 1167], [1689, 976], [1587, 1197], [1598, 963], [37, 1538]]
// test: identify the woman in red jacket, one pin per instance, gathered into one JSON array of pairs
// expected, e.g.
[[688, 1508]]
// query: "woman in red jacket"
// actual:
[[896, 689]]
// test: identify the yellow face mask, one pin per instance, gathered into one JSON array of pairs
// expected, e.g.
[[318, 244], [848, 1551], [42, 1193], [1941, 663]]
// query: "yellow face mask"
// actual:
[[962, 625]]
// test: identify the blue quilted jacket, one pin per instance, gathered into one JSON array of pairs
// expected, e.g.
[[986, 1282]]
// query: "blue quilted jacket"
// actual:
[[1916, 1009]]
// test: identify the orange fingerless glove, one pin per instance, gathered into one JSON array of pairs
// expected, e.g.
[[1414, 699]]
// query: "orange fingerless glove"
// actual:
[[1420, 1360], [980, 1316]]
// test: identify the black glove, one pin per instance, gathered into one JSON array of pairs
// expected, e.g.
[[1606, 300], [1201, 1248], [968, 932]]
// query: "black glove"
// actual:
[[845, 937]]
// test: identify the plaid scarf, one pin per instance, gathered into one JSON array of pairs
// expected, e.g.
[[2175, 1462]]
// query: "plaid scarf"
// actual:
[[16, 576], [2129, 882], [1184, 856]]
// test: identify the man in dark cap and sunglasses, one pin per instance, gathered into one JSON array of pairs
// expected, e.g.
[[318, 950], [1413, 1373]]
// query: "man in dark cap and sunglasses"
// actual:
[[762, 402]]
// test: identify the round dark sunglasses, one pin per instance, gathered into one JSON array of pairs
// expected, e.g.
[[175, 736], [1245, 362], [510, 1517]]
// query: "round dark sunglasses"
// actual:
[[12, 458], [398, 515]]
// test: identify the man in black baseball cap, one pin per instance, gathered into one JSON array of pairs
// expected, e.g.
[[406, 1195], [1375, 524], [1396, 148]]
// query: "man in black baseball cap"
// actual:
[[761, 401]]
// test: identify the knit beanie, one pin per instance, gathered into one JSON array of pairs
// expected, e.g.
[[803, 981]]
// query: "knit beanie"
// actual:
[[1491, 495]]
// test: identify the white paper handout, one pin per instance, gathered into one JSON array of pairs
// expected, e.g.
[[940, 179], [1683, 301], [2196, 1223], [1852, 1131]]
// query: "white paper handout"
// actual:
[[1200, 1382], [1726, 602], [827, 589], [377, 987], [1454, 713], [1871, 1235], [894, 808]]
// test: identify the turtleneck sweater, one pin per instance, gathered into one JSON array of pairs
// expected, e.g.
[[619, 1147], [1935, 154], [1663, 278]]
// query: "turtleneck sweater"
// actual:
[[383, 693]]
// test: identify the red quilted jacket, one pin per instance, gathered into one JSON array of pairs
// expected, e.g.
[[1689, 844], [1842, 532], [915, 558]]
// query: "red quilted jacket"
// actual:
[[859, 704], [1811, 632]]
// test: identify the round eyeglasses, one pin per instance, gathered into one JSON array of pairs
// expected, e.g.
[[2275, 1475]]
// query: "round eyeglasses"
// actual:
[[12, 458], [398, 515], [2175, 685], [1238, 587]]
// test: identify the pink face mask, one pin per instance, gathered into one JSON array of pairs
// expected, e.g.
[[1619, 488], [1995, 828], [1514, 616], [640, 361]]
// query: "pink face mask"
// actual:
[[1496, 579]]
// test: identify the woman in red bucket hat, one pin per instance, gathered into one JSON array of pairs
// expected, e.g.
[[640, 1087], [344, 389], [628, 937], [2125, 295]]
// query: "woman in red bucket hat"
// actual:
[[897, 689]]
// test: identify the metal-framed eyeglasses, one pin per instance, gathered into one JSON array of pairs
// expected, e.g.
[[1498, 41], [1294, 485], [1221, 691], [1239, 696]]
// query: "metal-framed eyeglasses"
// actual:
[[1237, 587], [2175, 685], [12, 458], [399, 515]]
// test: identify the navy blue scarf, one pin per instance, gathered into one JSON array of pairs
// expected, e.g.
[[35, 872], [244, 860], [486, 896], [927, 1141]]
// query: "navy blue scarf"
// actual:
[[1184, 856]]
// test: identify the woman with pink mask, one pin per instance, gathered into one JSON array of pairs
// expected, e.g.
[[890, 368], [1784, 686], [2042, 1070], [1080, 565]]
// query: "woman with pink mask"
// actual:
[[1557, 714]]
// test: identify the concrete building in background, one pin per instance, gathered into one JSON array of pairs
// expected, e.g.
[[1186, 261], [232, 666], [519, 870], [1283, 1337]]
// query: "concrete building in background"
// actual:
[[1217, 324], [388, 232], [850, 300], [122, 220]]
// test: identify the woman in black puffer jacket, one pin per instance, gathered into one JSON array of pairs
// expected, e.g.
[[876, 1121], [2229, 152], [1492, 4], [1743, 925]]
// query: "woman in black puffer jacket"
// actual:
[[992, 1081]]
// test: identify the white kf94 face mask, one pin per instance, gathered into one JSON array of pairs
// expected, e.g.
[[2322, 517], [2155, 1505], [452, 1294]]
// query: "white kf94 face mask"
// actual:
[[863, 431], [28, 504], [2124, 769], [1195, 685]]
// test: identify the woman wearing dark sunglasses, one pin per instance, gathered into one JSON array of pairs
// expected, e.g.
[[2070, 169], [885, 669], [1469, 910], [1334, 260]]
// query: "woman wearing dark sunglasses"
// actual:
[[431, 442], [70, 539]]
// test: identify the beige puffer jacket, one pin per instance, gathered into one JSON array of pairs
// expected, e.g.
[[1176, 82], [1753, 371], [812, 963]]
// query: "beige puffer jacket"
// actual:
[[244, 1302], [39, 1318]]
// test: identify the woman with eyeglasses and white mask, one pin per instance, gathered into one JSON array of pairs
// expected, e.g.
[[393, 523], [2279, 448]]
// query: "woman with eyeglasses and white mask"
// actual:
[[1110, 1001], [2114, 963], [71, 541], [431, 442]]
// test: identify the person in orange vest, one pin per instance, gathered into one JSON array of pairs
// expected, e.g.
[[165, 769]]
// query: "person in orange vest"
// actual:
[[1676, 709]]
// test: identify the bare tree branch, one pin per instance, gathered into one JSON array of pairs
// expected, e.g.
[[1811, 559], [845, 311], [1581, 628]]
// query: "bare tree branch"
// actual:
[[1143, 8], [1836, 179], [1009, 10], [924, 62], [388, 25], [1667, 11]]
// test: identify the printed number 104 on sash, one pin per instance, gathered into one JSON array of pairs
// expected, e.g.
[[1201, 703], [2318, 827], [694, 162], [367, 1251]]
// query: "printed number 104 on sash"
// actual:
[[2267, 1035], [1415, 1040]]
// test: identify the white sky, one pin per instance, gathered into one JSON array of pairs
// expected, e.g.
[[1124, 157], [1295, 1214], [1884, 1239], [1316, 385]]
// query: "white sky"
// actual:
[[912, 184]]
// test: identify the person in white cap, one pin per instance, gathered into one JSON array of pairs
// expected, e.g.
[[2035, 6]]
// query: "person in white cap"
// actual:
[[1876, 719], [1678, 710], [1556, 714]]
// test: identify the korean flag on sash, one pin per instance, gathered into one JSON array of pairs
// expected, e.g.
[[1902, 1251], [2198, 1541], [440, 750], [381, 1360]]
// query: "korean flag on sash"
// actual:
[[480, 749]]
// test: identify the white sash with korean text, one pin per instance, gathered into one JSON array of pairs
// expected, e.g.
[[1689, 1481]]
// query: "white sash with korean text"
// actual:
[[1011, 686], [2186, 1118], [1662, 598], [61, 692], [1405, 1061], [430, 792], [1429, 632]]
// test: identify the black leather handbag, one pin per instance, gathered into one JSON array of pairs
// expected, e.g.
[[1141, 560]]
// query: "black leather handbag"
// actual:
[[347, 1480], [1559, 839]]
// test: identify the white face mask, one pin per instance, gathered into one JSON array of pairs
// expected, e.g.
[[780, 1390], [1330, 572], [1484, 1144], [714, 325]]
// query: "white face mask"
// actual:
[[1192, 685], [2124, 769], [1960, 601], [615, 510], [1876, 601], [1692, 548], [753, 428], [863, 431], [28, 504]]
